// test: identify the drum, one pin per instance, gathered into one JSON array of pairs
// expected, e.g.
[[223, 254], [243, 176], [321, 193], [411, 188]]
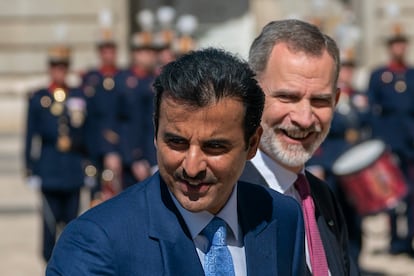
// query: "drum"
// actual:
[[370, 177]]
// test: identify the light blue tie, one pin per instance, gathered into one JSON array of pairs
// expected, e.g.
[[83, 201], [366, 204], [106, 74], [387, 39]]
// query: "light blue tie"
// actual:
[[217, 261]]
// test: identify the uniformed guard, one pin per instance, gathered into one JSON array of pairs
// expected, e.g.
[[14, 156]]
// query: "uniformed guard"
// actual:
[[135, 105], [391, 95], [184, 41], [165, 36], [350, 126], [54, 147], [99, 87]]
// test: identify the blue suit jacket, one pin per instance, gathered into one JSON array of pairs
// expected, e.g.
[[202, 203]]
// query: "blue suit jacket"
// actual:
[[140, 232]]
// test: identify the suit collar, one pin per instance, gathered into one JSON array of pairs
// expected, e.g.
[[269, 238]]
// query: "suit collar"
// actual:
[[177, 247], [178, 250], [258, 229], [279, 178], [196, 222], [325, 214]]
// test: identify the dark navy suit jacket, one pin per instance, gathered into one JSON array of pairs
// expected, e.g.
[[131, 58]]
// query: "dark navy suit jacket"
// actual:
[[140, 232], [329, 218]]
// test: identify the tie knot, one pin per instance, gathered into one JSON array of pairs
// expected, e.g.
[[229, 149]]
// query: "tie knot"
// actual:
[[216, 231], [302, 186]]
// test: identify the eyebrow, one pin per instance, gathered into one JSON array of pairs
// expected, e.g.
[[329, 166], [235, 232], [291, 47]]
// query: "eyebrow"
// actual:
[[217, 141], [323, 96], [294, 93], [169, 135]]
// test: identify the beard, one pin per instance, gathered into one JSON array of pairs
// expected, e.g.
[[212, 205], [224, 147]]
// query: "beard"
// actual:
[[290, 155]]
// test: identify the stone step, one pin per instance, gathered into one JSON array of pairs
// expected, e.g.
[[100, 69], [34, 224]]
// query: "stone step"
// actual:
[[11, 154]]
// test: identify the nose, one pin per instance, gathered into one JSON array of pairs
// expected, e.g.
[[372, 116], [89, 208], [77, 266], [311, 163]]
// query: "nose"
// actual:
[[302, 114], [194, 164]]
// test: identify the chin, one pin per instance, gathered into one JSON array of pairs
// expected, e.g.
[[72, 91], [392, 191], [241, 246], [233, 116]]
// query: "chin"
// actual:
[[288, 155]]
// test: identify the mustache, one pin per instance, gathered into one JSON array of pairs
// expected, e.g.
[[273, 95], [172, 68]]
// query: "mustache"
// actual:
[[201, 177], [312, 128]]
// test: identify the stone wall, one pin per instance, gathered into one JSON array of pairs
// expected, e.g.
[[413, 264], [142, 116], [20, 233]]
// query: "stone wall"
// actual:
[[28, 29]]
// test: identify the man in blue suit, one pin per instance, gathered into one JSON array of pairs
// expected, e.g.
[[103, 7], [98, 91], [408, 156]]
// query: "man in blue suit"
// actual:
[[207, 124]]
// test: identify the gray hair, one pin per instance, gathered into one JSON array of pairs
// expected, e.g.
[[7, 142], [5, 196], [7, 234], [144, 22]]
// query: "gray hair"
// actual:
[[300, 36]]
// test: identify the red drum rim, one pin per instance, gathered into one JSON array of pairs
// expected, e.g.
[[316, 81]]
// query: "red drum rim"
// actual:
[[358, 157]]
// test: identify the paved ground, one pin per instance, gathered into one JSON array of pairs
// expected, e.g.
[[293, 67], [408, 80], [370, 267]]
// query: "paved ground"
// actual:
[[20, 225]]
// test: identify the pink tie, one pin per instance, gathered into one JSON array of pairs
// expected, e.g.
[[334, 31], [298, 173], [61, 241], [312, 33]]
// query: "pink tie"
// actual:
[[315, 246]]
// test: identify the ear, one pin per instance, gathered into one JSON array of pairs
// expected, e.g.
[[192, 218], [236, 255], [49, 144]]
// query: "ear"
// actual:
[[155, 142], [337, 95], [254, 143]]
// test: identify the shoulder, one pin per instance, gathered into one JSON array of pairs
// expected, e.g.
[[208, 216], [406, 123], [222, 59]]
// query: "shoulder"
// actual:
[[123, 73], [129, 204], [251, 174], [266, 199], [380, 69], [377, 72], [35, 96]]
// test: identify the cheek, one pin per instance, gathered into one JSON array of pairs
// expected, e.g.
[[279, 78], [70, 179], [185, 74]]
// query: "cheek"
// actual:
[[167, 159], [229, 168], [325, 116], [272, 112]]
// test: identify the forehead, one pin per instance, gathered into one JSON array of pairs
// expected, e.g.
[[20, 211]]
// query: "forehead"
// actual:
[[218, 118], [299, 67]]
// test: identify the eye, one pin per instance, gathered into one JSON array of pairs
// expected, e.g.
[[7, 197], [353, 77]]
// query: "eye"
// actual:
[[215, 147], [322, 102], [286, 98], [177, 143]]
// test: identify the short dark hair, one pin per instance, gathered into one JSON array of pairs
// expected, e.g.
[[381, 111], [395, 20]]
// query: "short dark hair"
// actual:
[[203, 77], [299, 36]]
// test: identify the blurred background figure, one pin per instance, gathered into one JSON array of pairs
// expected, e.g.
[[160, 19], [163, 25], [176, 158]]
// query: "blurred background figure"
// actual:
[[185, 42], [55, 148], [391, 96], [164, 37], [98, 85], [133, 87]]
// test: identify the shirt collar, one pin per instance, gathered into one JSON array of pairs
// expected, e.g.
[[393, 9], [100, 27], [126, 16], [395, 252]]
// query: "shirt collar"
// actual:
[[196, 222], [278, 177]]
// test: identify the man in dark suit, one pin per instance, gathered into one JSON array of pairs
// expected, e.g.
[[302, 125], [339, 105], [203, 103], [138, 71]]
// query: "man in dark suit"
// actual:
[[207, 124], [297, 67]]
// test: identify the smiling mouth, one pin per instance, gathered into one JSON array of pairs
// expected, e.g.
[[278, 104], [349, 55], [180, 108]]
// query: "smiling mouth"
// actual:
[[194, 188], [297, 134]]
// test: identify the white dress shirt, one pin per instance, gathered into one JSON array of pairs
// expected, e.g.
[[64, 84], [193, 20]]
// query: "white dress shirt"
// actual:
[[196, 222], [280, 179]]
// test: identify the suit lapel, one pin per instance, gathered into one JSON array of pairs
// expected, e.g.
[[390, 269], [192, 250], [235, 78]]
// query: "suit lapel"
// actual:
[[259, 235], [326, 220], [177, 248], [252, 175]]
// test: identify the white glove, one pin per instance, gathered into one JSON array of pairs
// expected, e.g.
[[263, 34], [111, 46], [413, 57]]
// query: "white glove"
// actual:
[[90, 181], [34, 182]]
